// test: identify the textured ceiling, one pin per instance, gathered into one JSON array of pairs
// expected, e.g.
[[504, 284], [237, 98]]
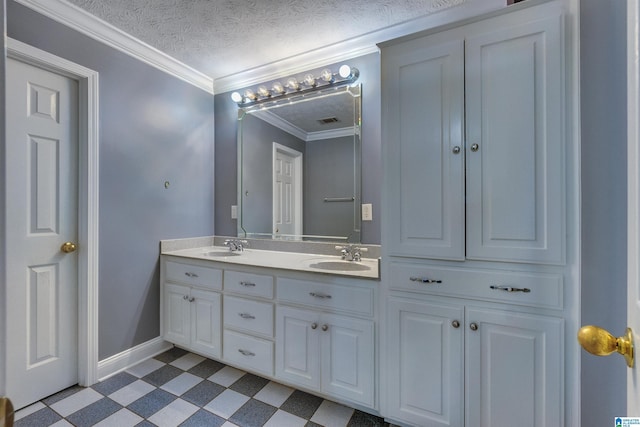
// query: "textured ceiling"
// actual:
[[223, 37]]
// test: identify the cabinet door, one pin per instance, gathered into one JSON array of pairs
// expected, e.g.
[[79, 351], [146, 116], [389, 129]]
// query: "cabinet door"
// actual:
[[206, 325], [425, 363], [423, 103], [297, 346], [513, 370], [515, 140], [177, 312], [348, 350]]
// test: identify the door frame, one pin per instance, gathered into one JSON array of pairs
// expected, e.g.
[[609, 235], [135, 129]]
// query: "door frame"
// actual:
[[88, 188], [633, 197], [297, 165]]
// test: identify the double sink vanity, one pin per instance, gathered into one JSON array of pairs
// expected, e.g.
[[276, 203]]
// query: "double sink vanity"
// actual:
[[294, 312]]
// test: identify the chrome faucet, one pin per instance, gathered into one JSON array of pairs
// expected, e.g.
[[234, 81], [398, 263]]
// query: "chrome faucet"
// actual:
[[351, 252], [236, 244]]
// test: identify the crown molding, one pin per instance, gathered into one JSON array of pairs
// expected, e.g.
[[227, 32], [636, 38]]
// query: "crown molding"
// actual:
[[445, 12], [94, 27], [330, 134], [280, 123]]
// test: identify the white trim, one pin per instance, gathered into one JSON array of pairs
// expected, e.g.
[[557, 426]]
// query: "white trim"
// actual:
[[88, 199], [94, 27], [633, 199], [333, 133], [352, 48], [277, 121], [128, 358]]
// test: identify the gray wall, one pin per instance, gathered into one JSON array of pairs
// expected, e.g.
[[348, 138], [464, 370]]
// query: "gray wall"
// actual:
[[153, 128], [226, 156], [257, 136], [603, 92], [329, 172]]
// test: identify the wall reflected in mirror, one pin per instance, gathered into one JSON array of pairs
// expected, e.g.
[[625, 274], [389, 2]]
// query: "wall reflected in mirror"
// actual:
[[299, 167]]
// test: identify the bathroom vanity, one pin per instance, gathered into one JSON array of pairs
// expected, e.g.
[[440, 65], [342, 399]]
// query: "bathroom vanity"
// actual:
[[302, 319]]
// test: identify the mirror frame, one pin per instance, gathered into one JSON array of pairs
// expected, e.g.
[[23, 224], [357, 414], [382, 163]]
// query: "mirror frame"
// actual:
[[356, 235]]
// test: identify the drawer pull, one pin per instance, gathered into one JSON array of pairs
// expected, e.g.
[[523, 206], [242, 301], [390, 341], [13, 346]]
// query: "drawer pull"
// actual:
[[190, 274], [246, 316], [247, 284], [424, 280], [320, 295], [246, 352], [510, 289]]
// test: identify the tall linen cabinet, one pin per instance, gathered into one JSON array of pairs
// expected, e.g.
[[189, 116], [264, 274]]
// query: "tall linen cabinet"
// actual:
[[475, 223]]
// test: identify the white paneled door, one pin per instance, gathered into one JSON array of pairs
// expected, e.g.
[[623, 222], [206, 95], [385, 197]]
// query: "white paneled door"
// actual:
[[287, 191], [42, 216]]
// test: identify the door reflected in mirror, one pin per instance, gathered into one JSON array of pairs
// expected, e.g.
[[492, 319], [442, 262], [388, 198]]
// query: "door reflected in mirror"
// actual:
[[300, 166]]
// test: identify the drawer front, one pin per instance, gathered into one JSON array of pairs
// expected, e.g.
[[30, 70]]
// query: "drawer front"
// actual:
[[522, 288], [248, 284], [249, 352], [351, 299], [251, 316], [194, 275]]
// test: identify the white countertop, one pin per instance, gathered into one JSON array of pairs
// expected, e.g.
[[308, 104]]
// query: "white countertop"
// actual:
[[326, 264]]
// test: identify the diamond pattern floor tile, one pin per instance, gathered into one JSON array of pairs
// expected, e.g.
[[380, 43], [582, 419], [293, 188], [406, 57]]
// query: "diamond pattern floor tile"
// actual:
[[178, 388]]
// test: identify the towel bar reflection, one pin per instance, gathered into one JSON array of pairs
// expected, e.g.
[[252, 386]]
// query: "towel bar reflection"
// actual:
[[339, 199]]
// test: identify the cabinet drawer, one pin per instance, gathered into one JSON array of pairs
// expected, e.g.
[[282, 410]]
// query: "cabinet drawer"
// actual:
[[544, 290], [251, 316], [194, 275], [352, 299], [248, 284], [246, 351]]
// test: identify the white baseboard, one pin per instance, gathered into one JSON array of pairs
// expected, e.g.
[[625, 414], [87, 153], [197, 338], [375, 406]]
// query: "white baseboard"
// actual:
[[128, 358]]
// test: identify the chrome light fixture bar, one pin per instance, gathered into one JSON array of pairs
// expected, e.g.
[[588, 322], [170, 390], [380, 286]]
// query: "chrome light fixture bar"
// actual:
[[309, 83]]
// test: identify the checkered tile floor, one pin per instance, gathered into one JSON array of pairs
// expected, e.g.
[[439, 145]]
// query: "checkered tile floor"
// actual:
[[178, 388]]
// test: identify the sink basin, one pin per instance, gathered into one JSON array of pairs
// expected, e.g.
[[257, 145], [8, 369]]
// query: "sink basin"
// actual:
[[340, 266], [221, 253]]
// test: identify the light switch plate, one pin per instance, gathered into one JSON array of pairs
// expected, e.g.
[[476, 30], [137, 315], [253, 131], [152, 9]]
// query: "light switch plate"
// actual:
[[234, 211], [367, 212]]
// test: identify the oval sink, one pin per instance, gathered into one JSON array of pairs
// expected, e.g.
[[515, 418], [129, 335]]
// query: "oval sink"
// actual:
[[221, 253], [340, 266]]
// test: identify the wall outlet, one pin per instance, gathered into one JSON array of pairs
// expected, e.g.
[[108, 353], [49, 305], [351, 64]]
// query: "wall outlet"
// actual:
[[367, 212], [234, 211]]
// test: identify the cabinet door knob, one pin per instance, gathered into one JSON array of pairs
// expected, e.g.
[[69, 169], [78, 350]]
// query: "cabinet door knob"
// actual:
[[475, 147], [473, 326], [455, 324], [192, 299], [325, 327], [456, 149], [185, 297], [314, 325]]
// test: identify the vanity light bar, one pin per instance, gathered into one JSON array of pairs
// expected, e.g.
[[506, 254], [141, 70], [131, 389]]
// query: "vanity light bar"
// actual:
[[346, 75]]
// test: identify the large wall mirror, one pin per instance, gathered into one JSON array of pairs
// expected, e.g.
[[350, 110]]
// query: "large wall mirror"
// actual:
[[299, 167]]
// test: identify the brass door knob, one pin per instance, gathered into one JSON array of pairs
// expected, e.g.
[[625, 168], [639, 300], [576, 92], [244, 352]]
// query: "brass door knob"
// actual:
[[600, 342], [68, 247]]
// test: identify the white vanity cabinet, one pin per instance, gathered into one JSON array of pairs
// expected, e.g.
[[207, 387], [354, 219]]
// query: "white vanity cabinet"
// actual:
[[502, 365], [249, 321], [316, 348], [307, 330], [473, 129], [475, 223], [192, 306]]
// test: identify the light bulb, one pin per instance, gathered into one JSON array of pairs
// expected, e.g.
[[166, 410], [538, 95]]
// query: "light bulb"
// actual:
[[264, 92], [326, 75], [236, 97], [309, 80], [292, 83], [277, 88], [344, 71], [249, 94]]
